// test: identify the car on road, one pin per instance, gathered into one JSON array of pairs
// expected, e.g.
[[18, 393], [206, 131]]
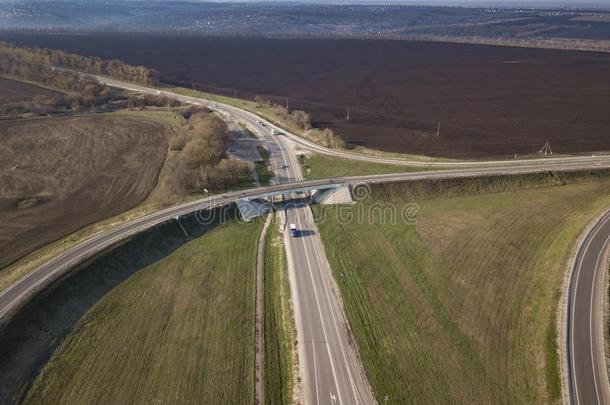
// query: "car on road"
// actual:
[[293, 230]]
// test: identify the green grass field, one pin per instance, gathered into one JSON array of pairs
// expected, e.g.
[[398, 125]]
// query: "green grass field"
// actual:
[[460, 307], [317, 167], [278, 324], [180, 331]]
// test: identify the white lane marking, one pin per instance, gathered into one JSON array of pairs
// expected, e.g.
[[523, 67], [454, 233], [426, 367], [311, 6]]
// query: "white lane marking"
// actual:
[[578, 267], [315, 293], [332, 312], [315, 371], [591, 320]]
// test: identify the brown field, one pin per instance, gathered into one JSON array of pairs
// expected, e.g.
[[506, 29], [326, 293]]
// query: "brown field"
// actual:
[[489, 100], [13, 90], [60, 174]]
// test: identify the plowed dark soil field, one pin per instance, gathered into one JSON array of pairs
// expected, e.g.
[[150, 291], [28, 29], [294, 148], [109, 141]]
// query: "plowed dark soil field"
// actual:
[[12, 90], [60, 174], [489, 101]]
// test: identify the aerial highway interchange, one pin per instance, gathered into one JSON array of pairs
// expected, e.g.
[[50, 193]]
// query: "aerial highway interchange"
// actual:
[[330, 367]]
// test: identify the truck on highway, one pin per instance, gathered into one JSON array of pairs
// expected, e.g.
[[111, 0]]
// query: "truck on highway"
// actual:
[[293, 230]]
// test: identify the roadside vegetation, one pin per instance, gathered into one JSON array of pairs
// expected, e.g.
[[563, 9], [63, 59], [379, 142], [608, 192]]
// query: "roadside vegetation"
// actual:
[[460, 306], [320, 166], [199, 162], [299, 120], [177, 330], [279, 333], [295, 121], [263, 167]]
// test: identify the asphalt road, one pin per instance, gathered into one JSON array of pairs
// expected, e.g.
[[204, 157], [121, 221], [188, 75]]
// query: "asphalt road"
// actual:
[[12, 296], [331, 372], [587, 373]]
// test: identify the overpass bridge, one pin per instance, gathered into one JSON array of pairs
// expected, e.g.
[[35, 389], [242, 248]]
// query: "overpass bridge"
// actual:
[[43, 275], [254, 206]]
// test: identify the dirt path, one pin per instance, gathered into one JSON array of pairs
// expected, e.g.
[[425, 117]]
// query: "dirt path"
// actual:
[[259, 382]]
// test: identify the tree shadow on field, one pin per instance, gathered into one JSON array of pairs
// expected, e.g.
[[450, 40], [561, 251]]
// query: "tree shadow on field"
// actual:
[[323, 124], [30, 337]]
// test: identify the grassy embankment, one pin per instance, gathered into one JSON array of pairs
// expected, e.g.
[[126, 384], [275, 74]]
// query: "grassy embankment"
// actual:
[[278, 323], [461, 307], [180, 330], [323, 167]]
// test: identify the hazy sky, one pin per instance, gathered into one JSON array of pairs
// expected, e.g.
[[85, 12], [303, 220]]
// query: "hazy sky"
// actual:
[[532, 3], [481, 3]]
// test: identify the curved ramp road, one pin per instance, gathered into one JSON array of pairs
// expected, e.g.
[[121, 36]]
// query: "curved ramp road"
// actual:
[[304, 143], [587, 373]]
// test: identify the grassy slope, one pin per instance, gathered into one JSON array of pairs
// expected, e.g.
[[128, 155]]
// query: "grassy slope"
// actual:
[[461, 307], [178, 331], [323, 167], [278, 325]]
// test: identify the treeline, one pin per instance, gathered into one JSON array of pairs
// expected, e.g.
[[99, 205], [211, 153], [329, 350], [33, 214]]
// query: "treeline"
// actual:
[[148, 100], [301, 119], [200, 162], [87, 64], [82, 96], [78, 93]]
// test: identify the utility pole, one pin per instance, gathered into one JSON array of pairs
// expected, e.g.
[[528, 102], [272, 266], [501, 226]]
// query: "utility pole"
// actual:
[[546, 149], [438, 129]]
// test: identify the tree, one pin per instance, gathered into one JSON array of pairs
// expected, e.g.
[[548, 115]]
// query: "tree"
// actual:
[[301, 119], [260, 101]]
